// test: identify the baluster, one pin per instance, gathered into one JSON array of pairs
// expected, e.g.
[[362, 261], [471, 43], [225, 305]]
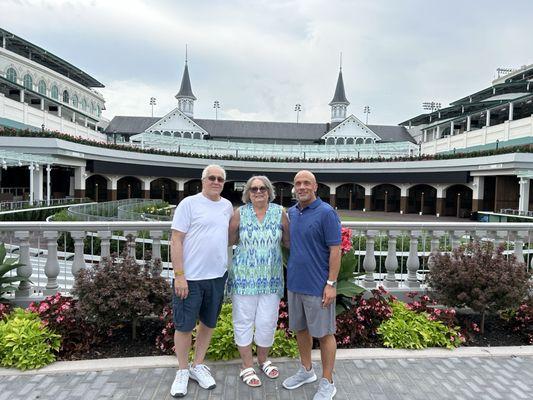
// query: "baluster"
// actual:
[[519, 245], [130, 245], [51, 268], [156, 243], [434, 247], [25, 270], [391, 261], [78, 263], [413, 263], [369, 261], [500, 239], [105, 243]]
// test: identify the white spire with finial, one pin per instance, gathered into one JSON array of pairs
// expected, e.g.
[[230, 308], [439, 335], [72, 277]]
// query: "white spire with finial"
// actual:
[[185, 96], [339, 103]]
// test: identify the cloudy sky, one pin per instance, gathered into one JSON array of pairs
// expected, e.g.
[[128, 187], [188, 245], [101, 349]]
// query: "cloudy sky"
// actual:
[[260, 58]]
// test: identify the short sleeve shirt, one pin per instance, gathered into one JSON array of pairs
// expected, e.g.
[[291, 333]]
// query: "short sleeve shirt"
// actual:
[[312, 230], [205, 223]]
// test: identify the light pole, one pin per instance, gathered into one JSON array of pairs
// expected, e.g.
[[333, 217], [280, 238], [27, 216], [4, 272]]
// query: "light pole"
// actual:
[[431, 106], [297, 108], [153, 102], [216, 106], [96, 191], [366, 110]]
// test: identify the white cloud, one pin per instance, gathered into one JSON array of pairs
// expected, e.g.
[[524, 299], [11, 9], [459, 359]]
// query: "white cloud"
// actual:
[[259, 58]]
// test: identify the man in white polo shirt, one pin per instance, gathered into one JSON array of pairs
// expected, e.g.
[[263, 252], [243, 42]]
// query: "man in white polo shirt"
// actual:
[[199, 258]]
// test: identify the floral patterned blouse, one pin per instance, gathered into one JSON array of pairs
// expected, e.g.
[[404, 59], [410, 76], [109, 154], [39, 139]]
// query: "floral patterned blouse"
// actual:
[[257, 261]]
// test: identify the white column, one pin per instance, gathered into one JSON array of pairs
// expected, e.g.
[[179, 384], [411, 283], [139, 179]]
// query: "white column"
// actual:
[[511, 111], [438, 132], [452, 130], [48, 184], [425, 137], [42, 104], [21, 96], [468, 123], [487, 123], [523, 202], [31, 168], [479, 187], [38, 183], [79, 178], [59, 111]]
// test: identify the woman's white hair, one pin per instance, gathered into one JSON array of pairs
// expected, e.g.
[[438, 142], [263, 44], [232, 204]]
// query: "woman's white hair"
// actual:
[[270, 188]]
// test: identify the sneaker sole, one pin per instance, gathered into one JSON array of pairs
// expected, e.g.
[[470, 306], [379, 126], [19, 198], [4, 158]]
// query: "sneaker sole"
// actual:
[[203, 387], [334, 393], [308, 380], [177, 395]]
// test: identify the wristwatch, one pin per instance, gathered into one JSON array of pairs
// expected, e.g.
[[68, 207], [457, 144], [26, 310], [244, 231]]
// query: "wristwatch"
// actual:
[[332, 283]]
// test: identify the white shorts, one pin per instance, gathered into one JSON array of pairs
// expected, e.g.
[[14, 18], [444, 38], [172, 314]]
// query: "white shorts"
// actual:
[[255, 311]]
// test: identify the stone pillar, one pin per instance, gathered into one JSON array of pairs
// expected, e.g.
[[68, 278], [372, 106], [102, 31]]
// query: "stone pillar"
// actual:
[[523, 202], [21, 98], [79, 181], [180, 184], [145, 187], [31, 167], [332, 200], [368, 198], [477, 193], [48, 184], [332, 193], [468, 123], [38, 183], [112, 188], [441, 202], [404, 193], [487, 123], [452, 128], [511, 111]]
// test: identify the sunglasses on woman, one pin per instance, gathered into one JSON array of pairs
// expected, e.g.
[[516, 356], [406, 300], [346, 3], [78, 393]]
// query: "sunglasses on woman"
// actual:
[[258, 189]]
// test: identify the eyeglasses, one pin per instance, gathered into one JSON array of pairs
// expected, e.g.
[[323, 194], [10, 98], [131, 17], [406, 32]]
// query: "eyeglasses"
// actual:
[[258, 189], [214, 178]]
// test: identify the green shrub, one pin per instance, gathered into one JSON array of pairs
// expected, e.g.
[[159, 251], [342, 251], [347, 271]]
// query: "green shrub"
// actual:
[[7, 265], [223, 346], [25, 343], [407, 329]]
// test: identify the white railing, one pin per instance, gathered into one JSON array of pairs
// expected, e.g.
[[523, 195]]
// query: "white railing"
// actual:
[[27, 205], [395, 255]]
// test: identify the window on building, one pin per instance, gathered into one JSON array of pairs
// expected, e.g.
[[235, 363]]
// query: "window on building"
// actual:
[[84, 105], [28, 82], [11, 75], [54, 93], [42, 87], [75, 101], [66, 97]]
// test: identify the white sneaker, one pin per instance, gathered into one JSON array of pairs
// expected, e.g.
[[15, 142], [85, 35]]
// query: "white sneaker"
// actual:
[[179, 386], [202, 374]]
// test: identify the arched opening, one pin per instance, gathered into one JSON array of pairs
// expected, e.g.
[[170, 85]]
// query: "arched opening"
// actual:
[[11, 75], [187, 135], [458, 201], [192, 187], [65, 96], [386, 198], [422, 198], [283, 194], [96, 188], [350, 196], [197, 135], [323, 192], [330, 140], [359, 141], [231, 193], [368, 141], [42, 87], [350, 141], [28, 82], [164, 189], [129, 187]]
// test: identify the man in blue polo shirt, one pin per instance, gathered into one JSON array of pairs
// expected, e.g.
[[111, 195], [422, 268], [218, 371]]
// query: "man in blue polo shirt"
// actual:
[[314, 262]]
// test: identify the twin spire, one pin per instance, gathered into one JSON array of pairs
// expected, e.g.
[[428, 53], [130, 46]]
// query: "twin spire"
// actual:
[[186, 98]]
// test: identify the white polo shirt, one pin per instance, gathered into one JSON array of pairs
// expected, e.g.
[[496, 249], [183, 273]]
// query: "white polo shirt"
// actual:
[[205, 223]]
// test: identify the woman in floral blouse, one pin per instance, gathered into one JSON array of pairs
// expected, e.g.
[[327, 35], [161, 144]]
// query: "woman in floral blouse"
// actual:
[[255, 280]]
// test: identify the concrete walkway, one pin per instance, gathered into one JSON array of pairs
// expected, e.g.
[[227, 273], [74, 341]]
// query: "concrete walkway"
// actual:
[[373, 374]]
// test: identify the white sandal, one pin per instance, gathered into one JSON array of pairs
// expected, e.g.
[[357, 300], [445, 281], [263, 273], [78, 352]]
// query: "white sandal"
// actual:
[[268, 368], [248, 375]]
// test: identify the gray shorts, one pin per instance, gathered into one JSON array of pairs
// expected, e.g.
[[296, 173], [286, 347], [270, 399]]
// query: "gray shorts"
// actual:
[[306, 312]]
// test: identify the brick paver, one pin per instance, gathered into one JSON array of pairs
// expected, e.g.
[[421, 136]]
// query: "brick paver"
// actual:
[[374, 379]]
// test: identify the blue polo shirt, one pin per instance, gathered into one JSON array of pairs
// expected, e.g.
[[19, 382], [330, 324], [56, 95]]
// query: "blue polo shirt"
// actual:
[[312, 230]]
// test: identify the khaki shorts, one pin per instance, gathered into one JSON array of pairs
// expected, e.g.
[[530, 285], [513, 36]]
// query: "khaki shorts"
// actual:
[[306, 312]]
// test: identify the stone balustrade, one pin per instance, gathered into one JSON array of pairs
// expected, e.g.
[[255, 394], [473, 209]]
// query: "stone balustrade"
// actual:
[[395, 255]]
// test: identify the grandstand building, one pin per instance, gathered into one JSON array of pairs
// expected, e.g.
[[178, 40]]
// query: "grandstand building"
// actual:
[[358, 166]]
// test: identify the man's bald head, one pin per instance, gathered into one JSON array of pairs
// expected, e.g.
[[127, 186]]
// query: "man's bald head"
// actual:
[[305, 187], [305, 174]]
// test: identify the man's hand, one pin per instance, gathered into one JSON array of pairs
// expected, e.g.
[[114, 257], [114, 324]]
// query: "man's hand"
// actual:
[[328, 296], [181, 287]]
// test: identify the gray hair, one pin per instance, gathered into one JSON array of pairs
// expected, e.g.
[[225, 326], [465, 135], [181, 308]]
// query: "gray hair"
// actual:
[[206, 170], [266, 182]]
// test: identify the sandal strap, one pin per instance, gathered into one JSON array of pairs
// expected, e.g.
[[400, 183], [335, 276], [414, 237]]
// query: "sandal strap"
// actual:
[[267, 367], [248, 374]]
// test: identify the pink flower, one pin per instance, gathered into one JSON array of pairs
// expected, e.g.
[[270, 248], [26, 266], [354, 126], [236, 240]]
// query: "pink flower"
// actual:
[[60, 319], [43, 307]]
